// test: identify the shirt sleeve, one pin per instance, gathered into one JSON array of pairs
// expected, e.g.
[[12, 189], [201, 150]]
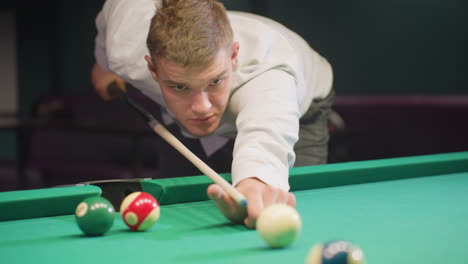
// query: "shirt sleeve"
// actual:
[[268, 125], [100, 40], [120, 45]]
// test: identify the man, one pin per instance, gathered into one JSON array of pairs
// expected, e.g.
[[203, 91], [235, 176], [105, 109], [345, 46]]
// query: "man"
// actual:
[[223, 75]]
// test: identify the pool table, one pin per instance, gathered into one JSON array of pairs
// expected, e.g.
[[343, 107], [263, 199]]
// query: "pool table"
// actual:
[[400, 210]]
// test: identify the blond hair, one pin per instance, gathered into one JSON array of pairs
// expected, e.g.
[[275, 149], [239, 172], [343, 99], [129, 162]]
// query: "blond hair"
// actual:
[[189, 32]]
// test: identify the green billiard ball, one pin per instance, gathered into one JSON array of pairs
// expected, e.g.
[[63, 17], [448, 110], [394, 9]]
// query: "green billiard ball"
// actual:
[[95, 215]]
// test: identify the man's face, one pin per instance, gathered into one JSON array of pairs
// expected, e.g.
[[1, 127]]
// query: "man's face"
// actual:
[[196, 97]]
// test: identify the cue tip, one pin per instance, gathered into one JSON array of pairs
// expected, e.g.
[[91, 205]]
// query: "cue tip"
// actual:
[[243, 203]]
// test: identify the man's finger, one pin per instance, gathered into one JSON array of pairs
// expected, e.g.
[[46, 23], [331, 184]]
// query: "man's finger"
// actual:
[[228, 206], [221, 199], [215, 192], [282, 197], [254, 208], [218, 195], [271, 196], [291, 200]]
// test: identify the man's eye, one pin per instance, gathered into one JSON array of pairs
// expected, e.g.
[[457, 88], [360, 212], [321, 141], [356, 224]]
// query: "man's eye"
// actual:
[[216, 82], [178, 88]]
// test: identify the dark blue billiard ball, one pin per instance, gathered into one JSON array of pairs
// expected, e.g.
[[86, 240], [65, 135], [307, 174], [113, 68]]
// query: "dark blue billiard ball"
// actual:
[[335, 252]]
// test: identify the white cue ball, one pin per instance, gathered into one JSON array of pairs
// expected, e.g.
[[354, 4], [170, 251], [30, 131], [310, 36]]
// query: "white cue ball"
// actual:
[[279, 225]]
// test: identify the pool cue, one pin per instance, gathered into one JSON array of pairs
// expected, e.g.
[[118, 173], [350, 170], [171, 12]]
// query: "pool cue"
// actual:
[[179, 146]]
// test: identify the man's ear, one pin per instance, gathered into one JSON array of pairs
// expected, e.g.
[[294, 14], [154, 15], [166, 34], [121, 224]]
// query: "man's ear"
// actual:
[[235, 52], [151, 67]]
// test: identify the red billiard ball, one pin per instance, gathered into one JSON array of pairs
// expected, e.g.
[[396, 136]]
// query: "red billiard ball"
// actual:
[[139, 211]]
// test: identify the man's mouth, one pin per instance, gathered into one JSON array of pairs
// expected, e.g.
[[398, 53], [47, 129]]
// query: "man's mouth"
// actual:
[[204, 120]]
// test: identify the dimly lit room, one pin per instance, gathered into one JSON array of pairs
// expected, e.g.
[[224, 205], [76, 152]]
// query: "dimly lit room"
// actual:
[[396, 131]]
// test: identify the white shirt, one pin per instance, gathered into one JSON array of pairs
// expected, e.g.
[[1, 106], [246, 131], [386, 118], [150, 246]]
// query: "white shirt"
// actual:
[[277, 77]]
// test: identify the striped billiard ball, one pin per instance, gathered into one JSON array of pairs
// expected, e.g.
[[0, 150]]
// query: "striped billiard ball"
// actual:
[[95, 215], [139, 211], [335, 252]]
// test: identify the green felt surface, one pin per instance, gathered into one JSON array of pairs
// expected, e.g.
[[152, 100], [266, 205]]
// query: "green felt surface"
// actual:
[[418, 220], [43, 202]]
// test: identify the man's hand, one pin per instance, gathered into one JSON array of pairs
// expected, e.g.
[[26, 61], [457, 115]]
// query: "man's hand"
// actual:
[[101, 79], [259, 196]]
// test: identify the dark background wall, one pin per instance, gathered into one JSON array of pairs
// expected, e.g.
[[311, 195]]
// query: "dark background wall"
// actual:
[[386, 47], [375, 47]]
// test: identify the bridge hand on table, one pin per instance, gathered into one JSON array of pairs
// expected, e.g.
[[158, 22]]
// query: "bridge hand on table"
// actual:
[[259, 196]]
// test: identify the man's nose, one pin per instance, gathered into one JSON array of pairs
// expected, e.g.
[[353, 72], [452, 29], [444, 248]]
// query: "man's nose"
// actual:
[[201, 103]]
